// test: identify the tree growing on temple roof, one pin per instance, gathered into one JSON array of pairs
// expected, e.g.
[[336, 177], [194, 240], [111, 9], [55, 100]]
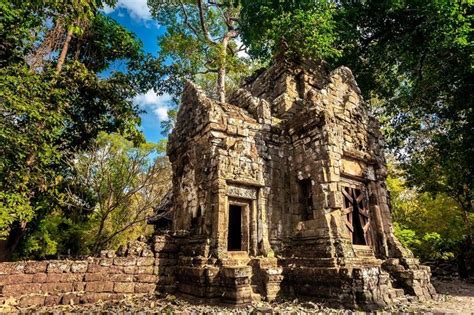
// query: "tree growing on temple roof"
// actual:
[[201, 41]]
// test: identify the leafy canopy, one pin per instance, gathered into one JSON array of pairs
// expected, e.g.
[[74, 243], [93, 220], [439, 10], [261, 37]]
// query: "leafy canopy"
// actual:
[[304, 28]]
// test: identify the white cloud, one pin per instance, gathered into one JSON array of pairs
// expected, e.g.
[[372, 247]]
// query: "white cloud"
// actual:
[[138, 9], [152, 102], [241, 53], [161, 113]]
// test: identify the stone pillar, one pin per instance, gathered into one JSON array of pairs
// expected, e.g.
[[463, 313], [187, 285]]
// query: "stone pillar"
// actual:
[[262, 234], [253, 228], [219, 224]]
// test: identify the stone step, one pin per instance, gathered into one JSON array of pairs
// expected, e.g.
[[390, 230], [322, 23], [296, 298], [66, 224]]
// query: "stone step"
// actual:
[[237, 258], [363, 251]]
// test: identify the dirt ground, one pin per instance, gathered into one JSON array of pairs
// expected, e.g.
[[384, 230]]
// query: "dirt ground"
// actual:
[[454, 297]]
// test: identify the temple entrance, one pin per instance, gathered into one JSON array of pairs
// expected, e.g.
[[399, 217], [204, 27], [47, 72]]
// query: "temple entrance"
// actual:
[[234, 234], [357, 215]]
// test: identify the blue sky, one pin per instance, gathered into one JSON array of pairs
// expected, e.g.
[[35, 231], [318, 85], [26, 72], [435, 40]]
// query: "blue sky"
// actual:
[[135, 16]]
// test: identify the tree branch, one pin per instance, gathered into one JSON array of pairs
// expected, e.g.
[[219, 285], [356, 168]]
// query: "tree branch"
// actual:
[[203, 23], [186, 19]]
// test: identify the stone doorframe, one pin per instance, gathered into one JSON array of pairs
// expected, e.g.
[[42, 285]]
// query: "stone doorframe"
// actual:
[[362, 186], [253, 195], [246, 226]]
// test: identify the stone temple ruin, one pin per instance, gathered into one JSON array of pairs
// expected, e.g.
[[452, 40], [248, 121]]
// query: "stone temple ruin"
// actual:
[[278, 193], [281, 192]]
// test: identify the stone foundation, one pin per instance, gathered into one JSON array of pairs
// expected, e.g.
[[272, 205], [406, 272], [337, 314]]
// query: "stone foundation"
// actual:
[[235, 280]]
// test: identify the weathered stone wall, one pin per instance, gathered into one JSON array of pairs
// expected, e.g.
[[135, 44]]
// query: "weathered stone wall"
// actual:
[[52, 282]]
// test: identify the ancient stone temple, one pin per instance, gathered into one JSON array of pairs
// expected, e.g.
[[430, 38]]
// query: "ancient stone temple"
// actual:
[[281, 192]]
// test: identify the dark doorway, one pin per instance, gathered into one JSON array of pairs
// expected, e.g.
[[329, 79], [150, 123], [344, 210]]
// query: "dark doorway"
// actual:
[[358, 235], [234, 231]]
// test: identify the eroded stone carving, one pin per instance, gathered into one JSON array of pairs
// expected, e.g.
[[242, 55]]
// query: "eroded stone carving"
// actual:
[[242, 192]]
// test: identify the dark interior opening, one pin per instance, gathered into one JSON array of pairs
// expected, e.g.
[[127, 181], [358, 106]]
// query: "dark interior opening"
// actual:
[[195, 221], [358, 235], [300, 85], [234, 238], [306, 198]]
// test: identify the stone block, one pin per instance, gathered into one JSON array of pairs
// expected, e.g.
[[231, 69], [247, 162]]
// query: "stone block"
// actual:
[[145, 261], [106, 262], [79, 286], [144, 270], [56, 287], [36, 266], [7, 268], [52, 299], [121, 277], [31, 300], [79, 266], [59, 266], [130, 269], [15, 278], [94, 297], [124, 287], [125, 261], [103, 286], [70, 299], [39, 277], [145, 288], [91, 277], [21, 289], [147, 278]]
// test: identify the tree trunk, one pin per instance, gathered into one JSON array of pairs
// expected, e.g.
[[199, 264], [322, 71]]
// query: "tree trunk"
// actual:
[[62, 56], [221, 73]]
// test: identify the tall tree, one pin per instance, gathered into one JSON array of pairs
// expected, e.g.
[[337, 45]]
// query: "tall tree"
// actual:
[[200, 40], [46, 116], [122, 183]]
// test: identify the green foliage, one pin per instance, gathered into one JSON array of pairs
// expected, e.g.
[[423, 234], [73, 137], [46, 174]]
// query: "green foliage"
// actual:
[[56, 234], [432, 227], [16, 36], [119, 184], [304, 28], [416, 59], [103, 42], [47, 116], [31, 119], [111, 192]]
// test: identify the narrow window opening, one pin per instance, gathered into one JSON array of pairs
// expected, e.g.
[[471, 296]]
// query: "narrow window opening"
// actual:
[[234, 238], [300, 85], [306, 198], [196, 220]]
